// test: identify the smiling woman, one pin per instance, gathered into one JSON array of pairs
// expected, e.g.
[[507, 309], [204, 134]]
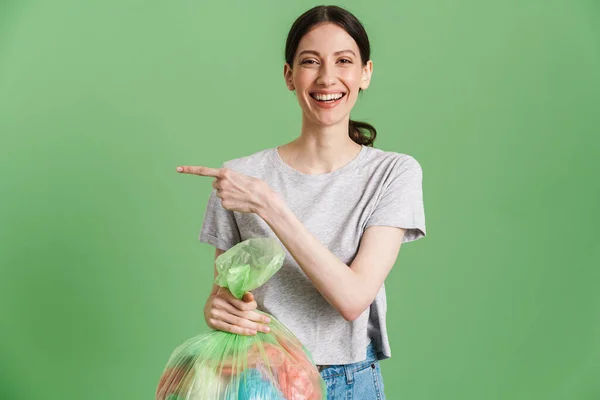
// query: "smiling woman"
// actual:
[[326, 43], [340, 207]]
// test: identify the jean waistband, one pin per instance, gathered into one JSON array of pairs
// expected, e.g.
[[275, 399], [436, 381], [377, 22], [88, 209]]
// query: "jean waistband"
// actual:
[[371, 352], [371, 357]]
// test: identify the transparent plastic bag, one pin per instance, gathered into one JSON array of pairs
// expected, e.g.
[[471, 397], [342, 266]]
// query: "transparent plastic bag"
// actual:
[[225, 366]]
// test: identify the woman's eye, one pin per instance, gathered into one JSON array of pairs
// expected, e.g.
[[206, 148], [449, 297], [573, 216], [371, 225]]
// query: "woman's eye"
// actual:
[[308, 62], [345, 61]]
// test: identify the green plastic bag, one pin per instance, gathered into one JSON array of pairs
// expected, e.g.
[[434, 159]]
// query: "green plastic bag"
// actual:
[[248, 265], [225, 366]]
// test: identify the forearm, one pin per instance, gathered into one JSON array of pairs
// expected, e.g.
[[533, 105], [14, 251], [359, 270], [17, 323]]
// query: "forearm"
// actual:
[[215, 288], [340, 285]]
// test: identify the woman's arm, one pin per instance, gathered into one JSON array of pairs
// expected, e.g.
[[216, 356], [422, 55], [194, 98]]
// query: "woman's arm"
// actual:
[[215, 287], [348, 290]]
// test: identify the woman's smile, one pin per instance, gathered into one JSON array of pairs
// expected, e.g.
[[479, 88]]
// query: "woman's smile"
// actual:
[[327, 100]]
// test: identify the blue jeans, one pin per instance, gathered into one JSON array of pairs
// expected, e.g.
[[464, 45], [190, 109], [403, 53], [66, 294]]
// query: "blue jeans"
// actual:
[[359, 381]]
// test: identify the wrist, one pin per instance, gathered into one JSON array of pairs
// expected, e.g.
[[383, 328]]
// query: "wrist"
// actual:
[[271, 207]]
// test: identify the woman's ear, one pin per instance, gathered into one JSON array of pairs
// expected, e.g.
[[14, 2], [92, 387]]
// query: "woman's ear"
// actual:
[[288, 76], [366, 75]]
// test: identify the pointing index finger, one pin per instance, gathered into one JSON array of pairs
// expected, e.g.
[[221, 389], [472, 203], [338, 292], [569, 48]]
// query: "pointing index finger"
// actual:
[[201, 171]]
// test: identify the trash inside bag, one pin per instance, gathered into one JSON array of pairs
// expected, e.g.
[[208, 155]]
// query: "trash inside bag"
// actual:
[[225, 366]]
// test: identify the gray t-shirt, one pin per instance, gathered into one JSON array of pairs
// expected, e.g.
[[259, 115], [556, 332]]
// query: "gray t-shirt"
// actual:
[[375, 188]]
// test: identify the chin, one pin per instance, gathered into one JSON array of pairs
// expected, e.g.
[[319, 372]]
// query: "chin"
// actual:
[[327, 121]]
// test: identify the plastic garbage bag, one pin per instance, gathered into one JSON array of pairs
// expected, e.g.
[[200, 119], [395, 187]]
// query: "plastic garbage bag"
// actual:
[[225, 366]]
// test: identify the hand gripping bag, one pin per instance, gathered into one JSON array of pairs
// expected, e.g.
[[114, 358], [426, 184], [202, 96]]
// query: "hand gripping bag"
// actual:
[[225, 366]]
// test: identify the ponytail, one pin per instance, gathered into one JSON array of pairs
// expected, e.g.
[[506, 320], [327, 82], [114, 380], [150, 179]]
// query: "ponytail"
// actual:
[[362, 133]]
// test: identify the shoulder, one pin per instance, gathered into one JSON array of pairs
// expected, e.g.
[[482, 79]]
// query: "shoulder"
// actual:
[[394, 162], [253, 164]]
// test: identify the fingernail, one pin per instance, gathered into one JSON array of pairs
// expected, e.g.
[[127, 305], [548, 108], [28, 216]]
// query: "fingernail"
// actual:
[[267, 320], [179, 169]]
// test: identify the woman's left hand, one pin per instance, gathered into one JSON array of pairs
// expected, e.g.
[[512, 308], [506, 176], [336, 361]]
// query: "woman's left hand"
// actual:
[[238, 192]]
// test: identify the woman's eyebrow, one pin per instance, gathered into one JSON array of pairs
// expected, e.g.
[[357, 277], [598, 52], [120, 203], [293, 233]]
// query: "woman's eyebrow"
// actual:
[[337, 53], [316, 53]]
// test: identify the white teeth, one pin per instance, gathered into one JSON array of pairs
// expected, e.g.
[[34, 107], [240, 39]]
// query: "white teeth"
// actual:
[[327, 97]]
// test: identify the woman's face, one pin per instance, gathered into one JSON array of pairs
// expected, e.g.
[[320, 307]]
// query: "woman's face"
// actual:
[[327, 74]]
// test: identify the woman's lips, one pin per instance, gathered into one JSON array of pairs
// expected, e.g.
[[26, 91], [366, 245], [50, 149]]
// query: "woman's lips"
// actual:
[[325, 103]]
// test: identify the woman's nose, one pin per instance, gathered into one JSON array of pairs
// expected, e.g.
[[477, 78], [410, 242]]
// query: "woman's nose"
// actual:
[[326, 75]]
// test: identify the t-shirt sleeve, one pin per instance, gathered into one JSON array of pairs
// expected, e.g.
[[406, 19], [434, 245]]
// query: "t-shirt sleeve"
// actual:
[[401, 202], [219, 227]]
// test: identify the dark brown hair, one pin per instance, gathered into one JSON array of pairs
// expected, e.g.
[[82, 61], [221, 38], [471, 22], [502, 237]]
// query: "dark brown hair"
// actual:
[[360, 132]]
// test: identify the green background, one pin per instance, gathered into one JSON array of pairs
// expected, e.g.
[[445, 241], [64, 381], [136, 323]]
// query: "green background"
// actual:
[[102, 274]]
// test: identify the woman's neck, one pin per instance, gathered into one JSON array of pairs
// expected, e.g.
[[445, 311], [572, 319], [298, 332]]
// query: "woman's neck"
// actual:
[[320, 149]]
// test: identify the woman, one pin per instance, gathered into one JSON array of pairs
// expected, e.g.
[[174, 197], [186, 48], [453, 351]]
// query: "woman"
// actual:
[[341, 208]]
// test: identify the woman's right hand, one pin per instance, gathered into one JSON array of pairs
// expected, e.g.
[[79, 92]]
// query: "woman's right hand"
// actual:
[[224, 312]]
